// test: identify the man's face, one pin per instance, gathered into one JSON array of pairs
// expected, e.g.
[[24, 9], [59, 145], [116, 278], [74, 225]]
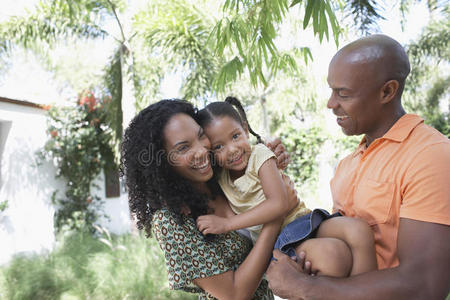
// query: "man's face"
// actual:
[[355, 96]]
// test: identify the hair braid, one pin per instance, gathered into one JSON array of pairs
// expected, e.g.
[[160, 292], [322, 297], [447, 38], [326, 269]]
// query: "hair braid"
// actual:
[[236, 103]]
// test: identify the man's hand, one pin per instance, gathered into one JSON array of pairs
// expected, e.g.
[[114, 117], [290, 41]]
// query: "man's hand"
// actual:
[[283, 157], [285, 274], [212, 224]]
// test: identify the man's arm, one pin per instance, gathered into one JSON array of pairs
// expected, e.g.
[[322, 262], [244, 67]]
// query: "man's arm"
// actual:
[[423, 273]]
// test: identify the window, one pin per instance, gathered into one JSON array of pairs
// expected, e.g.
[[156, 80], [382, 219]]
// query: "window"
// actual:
[[5, 126]]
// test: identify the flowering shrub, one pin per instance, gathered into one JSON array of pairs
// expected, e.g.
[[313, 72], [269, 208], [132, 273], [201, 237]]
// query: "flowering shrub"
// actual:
[[79, 145]]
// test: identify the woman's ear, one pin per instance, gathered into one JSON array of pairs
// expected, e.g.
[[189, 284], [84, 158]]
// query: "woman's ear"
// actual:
[[389, 91]]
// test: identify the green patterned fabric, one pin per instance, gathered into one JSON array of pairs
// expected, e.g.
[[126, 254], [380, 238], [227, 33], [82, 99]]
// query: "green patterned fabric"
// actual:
[[189, 256]]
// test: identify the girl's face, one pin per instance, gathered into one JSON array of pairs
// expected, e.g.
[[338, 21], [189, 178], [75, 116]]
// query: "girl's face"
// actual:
[[229, 143], [187, 148]]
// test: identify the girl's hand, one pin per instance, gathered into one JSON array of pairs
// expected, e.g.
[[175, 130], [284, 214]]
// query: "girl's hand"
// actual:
[[212, 224], [283, 157], [292, 196]]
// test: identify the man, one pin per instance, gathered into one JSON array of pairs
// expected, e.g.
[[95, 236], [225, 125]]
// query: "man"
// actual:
[[398, 180]]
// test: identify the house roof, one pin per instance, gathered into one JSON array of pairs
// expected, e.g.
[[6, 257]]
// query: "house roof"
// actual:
[[24, 103]]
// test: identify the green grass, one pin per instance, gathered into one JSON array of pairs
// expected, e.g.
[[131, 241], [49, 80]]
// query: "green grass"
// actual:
[[83, 267]]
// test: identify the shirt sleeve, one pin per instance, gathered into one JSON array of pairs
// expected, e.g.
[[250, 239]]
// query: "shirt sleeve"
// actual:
[[260, 155], [188, 255], [426, 188]]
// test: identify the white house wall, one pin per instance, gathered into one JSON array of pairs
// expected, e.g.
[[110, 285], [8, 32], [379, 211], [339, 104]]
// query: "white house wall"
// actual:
[[27, 224]]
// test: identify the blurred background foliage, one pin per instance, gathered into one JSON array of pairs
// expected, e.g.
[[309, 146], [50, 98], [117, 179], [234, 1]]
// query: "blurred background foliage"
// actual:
[[86, 266], [216, 49]]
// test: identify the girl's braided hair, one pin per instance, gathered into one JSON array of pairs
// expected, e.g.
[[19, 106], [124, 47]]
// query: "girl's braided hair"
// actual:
[[232, 108]]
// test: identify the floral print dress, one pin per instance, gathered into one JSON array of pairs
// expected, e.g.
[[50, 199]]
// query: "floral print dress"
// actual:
[[188, 255]]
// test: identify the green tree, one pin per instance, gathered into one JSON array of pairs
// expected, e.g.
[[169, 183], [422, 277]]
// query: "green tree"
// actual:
[[428, 85], [178, 33], [217, 45], [59, 20]]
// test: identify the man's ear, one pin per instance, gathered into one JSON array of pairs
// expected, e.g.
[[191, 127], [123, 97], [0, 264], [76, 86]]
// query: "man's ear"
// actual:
[[389, 91], [245, 127]]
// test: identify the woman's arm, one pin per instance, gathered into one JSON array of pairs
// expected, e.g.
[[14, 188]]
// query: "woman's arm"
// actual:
[[242, 283]]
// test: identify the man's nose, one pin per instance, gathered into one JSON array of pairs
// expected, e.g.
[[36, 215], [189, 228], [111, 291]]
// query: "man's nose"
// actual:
[[332, 103]]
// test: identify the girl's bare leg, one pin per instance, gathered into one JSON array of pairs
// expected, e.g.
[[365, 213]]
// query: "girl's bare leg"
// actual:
[[358, 235], [328, 256]]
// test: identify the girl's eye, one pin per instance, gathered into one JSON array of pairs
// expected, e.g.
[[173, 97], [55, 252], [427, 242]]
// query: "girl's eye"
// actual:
[[217, 147], [235, 136]]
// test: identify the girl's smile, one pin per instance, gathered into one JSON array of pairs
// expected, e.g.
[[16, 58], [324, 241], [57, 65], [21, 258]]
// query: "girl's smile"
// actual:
[[229, 141]]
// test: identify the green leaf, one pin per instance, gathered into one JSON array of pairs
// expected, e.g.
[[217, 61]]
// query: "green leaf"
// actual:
[[333, 22], [315, 15], [295, 2], [323, 22], [308, 12]]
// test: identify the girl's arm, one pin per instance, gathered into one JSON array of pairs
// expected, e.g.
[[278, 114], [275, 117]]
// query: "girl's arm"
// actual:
[[275, 206], [242, 283]]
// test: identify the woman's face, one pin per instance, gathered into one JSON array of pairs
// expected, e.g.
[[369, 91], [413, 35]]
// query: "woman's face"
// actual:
[[187, 148]]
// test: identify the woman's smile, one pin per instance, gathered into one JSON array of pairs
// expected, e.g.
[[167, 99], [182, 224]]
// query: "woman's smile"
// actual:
[[203, 168]]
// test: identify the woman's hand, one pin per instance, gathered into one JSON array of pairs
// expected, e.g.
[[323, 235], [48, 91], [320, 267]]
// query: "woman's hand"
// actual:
[[283, 157], [292, 196]]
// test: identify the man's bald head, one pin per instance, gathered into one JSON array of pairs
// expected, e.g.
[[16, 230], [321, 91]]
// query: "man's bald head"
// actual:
[[383, 56]]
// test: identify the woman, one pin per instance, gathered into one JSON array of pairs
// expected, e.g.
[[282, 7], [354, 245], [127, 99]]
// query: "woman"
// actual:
[[167, 167]]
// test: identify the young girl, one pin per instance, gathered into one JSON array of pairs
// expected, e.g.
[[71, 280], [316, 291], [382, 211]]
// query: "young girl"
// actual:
[[254, 188]]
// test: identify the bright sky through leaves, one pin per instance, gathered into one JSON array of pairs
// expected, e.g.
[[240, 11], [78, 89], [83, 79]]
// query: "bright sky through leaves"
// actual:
[[27, 80]]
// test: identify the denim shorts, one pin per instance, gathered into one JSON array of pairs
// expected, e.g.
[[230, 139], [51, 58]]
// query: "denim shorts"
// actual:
[[301, 229]]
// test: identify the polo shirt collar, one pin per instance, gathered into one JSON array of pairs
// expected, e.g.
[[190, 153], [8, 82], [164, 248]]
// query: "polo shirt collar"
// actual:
[[403, 127], [398, 132]]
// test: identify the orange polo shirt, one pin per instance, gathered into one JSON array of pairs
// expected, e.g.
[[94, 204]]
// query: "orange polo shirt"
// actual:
[[404, 174]]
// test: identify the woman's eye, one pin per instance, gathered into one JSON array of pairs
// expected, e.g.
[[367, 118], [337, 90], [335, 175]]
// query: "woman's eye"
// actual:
[[217, 147], [235, 136], [182, 148]]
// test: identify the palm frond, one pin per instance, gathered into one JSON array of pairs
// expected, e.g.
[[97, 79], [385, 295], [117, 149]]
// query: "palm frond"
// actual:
[[249, 29], [365, 14], [182, 41], [49, 24]]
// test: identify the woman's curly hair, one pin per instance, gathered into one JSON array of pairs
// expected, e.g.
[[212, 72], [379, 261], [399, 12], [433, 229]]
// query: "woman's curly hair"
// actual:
[[151, 181]]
